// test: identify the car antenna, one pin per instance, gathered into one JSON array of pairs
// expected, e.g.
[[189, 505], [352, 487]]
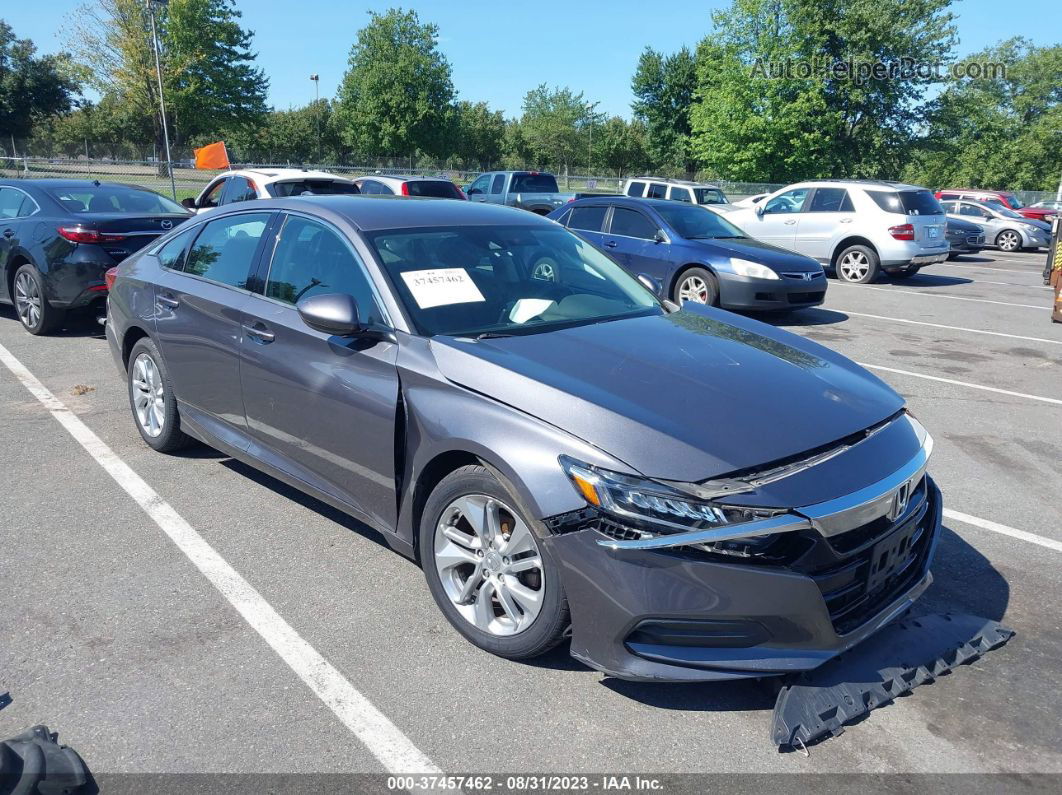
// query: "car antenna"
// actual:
[[96, 182]]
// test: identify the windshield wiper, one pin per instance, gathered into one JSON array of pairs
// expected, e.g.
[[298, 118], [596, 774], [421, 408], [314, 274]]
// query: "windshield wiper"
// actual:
[[491, 335]]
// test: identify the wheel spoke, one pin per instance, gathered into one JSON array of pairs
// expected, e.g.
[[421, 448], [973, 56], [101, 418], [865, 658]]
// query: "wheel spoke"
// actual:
[[529, 600], [454, 554], [530, 563], [520, 539], [483, 607], [505, 598]]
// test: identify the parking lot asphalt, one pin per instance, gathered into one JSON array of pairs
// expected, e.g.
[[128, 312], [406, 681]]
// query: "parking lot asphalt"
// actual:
[[111, 636]]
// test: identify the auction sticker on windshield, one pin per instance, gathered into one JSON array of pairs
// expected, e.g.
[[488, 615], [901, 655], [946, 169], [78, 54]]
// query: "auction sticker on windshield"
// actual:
[[441, 286]]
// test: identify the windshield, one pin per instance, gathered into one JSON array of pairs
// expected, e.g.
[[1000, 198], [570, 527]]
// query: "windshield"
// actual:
[[710, 196], [534, 183], [696, 223], [111, 199], [505, 280], [1003, 210], [314, 187], [435, 188], [1014, 202]]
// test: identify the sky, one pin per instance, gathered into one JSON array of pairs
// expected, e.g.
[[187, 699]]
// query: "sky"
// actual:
[[501, 49]]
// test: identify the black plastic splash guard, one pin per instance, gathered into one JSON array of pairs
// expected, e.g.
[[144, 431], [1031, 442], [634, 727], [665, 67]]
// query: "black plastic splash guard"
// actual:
[[901, 657]]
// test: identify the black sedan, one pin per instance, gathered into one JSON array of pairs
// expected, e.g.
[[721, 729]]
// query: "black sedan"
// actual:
[[59, 237], [964, 237]]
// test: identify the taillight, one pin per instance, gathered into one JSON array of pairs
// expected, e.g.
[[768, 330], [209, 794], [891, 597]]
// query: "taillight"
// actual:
[[902, 232], [79, 234], [405, 188], [110, 276]]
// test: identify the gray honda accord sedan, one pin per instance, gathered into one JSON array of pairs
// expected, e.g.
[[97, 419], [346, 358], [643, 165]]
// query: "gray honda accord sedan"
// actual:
[[693, 494]]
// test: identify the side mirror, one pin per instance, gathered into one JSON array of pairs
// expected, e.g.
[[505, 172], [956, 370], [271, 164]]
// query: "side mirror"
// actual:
[[760, 209], [334, 313], [473, 191], [188, 202], [659, 237]]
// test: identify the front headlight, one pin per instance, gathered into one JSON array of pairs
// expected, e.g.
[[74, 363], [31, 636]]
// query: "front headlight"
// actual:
[[753, 270], [648, 508]]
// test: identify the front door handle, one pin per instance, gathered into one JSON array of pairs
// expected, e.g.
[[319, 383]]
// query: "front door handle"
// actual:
[[169, 300], [846, 220], [790, 222], [9, 233], [610, 244], [259, 333]]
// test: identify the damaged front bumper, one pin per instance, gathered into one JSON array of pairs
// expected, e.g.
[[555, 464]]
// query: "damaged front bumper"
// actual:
[[664, 609]]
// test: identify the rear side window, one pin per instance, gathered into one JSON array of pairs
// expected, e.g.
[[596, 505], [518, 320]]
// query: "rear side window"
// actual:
[[632, 223], [656, 191], [831, 200], [10, 202], [312, 259], [636, 189], [589, 219], [498, 183], [906, 202], [435, 188], [315, 187], [225, 249], [171, 255], [534, 183]]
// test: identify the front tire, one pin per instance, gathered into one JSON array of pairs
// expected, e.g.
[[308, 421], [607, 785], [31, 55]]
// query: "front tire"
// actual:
[[487, 569], [858, 265], [698, 286], [31, 305], [152, 401], [1008, 240]]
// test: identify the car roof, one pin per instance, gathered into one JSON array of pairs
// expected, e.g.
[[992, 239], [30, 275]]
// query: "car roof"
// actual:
[[627, 201], [864, 183], [405, 177], [675, 181], [279, 174], [371, 213], [67, 183]]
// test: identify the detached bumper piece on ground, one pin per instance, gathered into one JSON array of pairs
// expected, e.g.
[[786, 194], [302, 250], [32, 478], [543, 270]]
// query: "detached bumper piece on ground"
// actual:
[[33, 762], [910, 653]]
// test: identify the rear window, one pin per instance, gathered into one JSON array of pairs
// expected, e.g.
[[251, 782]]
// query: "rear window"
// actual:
[[710, 196], [111, 199], [314, 187], [435, 188], [906, 202], [534, 183]]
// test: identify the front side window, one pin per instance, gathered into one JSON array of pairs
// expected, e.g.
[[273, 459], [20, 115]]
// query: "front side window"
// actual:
[[792, 201], [681, 195], [505, 280], [481, 184], [636, 189], [240, 189], [313, 259], [631, 223], [588, 219], [971, 210], [225, 249], [213, 195]]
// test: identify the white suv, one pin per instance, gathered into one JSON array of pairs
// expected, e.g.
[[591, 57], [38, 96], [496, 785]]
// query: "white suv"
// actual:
[[267, 183], [677, 190], [857, 227]]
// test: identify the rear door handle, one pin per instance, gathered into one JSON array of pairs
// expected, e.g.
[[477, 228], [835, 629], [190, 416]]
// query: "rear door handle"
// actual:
[[9, 233], [610, 243], [846, 220], [790, 222], [259, 332], [169, 300]]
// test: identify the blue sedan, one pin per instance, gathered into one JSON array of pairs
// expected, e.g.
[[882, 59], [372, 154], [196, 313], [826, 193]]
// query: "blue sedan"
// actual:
[[689, 253]]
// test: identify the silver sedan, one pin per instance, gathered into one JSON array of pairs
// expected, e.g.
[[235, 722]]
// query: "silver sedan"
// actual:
[[1003, 227]]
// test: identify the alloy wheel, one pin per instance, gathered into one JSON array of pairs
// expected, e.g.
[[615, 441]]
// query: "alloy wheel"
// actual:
[[489, 564], [694, 289], [27, 299], [854, 265], [149, 395], [1008, 241]]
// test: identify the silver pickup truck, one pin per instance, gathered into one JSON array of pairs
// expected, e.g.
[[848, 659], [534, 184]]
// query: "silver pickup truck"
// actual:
[[529, 190]]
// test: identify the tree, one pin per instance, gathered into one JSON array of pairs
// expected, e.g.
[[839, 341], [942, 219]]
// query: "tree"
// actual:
[[396, 96], [621, 146], [32, 88], [664, 90], [997, 132], [478, 134], [210, 80], [774, 102], [553, 124]]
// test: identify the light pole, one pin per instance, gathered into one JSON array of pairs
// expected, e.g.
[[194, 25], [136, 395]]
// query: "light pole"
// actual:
[[162, 99], [590, 147], [316, 78]]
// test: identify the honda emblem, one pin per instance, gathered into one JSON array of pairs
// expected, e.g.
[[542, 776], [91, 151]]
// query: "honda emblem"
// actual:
[[901, 498]]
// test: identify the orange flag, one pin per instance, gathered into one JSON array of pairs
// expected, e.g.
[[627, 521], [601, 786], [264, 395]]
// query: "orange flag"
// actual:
[[212, 156]]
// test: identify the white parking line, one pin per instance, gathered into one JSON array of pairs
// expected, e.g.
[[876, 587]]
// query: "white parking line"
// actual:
[[988, 268], [961, 383], [995, 527], [952, 328], [1042, 307], [382, 738]]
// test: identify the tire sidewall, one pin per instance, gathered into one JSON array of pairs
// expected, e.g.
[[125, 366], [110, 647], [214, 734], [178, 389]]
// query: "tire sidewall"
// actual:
[[872, 259], [547, 629], [171, 438], [706, 276]]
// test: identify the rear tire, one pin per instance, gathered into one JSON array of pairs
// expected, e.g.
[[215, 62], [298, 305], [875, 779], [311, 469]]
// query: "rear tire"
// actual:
[[698, 286], [152, 401], [31, 305], [858, 265], [487, 568]]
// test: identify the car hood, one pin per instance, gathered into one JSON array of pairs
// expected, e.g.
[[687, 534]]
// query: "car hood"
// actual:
[[686, 396], [775, 257], [962, 225]]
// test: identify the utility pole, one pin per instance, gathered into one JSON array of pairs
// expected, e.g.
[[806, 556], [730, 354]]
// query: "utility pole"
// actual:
[[590, 147], [162, 98], [316, 78]]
